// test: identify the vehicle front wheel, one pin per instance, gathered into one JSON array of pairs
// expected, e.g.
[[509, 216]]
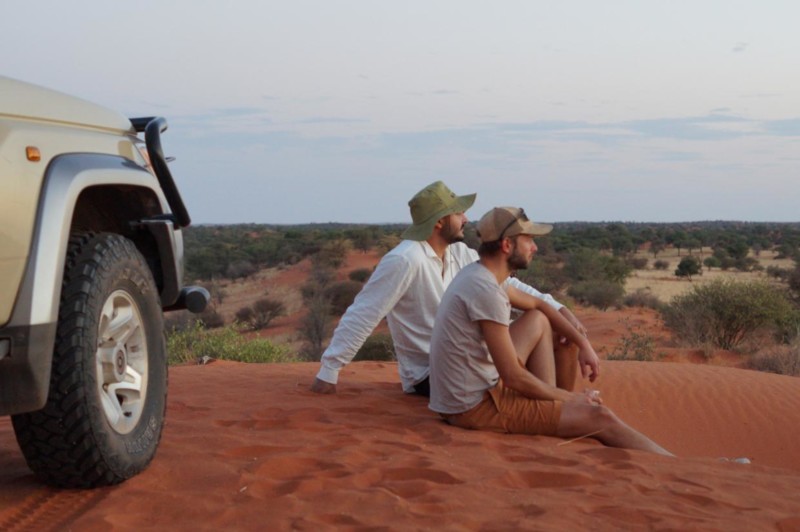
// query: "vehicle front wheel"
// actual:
[[105, 409]]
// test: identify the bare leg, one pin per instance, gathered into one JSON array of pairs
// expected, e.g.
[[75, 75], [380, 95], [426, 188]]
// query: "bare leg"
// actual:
[[566, 357], [582, 419], [533, 341]]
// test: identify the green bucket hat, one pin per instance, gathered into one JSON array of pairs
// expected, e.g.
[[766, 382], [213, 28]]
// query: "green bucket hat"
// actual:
[[429, 205]]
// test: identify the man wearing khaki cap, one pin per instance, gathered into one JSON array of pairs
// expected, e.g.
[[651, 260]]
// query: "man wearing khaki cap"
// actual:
[[488, 373], [406, 288]]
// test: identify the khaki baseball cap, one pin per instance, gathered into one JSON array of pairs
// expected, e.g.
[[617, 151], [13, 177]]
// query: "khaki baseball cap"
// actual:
[[501, 222], [429, 205]]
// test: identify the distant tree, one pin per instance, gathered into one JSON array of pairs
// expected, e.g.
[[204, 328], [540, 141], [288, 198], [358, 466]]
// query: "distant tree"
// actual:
[[688, 266], [656, 247], [712, 262], [692, 243]]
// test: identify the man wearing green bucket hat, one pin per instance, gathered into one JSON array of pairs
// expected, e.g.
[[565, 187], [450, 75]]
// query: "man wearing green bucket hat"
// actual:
[[406, 288]]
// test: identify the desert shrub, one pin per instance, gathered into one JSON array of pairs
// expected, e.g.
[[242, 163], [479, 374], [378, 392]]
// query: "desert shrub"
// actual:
[[314, 327], [265, 310], [341, 295], [601, 294], [661, 264], [178, 320], [261, 313], [360, 275], [725, 312], [377, 347], [196, 343], [240, 269], [726, 263], [318, 282], [778, 273], [244, 314], [634, 344], [642, 298], [211, 319], [782, 359], [638, 263], [547, 276]]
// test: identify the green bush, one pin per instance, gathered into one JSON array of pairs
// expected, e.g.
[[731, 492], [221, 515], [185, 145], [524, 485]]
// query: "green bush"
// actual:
[[360, 275], [377, 347], [601, 294], [638, 263], [725, 312], [196, 343], [642, 298], [661, 264]]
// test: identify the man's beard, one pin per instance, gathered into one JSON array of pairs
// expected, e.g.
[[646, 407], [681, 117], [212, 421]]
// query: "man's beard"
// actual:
[[516, 261], [454, 234]]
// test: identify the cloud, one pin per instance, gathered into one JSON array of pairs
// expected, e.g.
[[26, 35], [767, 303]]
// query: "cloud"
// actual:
[[783, 128], [333, 120], [740, 47]]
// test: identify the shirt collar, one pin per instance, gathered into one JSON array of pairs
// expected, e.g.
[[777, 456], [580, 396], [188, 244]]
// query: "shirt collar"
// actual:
[[430, 253]]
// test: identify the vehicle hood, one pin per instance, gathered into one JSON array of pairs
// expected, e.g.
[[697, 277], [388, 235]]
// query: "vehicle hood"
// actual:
[[25, 100]]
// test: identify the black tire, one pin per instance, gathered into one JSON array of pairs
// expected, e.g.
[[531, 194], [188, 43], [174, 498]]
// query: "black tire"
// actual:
[[100, 425]]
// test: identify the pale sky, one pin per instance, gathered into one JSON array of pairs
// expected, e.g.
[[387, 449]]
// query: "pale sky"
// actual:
[[339, 111]]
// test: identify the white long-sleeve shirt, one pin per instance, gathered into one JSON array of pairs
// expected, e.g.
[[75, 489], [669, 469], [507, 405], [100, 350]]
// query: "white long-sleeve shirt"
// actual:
[[406, 288]]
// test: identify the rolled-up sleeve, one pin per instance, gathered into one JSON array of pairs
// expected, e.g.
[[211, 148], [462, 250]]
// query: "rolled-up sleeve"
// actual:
[[547, 298]]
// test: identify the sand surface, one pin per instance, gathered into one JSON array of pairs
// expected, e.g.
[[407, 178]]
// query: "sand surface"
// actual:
[[248, 447]]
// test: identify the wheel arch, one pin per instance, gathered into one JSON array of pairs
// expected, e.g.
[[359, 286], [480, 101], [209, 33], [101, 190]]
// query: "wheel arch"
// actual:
[[77, 193]]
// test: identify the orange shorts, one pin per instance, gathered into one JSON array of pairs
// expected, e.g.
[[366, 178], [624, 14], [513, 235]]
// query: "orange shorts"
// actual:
[[505, 410]]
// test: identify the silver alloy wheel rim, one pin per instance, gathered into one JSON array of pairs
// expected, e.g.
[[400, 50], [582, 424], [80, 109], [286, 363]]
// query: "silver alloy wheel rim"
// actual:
[[121, 361]]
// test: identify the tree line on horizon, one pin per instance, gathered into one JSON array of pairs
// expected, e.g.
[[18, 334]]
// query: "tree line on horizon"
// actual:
[[238, 250], [587, 263]]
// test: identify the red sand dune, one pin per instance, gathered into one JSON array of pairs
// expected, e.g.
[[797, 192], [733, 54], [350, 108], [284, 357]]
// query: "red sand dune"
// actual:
[[249, 447]]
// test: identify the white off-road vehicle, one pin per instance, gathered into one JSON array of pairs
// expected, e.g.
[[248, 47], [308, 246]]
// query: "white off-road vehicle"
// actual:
[[91, 253]]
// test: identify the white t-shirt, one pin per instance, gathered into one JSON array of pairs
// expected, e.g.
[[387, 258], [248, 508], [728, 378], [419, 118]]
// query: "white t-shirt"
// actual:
[[461, 368]]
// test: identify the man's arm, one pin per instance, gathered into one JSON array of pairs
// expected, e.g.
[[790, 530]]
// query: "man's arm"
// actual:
[[385, 287], [587, 358]]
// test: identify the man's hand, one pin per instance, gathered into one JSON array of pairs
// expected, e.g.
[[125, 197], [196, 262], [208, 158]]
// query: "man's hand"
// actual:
[[320, 386], [588, 396], [589, 363]]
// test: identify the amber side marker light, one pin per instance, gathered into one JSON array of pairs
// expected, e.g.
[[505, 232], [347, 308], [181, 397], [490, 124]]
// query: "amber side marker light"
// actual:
[[33, 154]]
